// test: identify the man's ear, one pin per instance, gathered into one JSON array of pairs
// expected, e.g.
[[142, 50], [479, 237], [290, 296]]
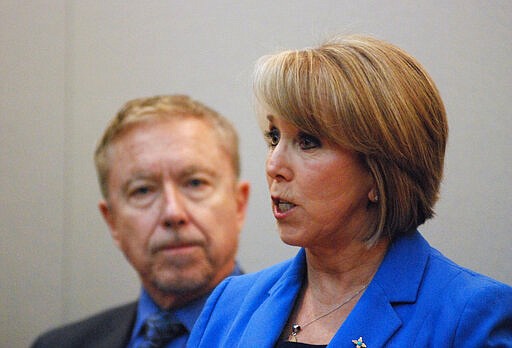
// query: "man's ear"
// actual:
[[242, 200], [108, 216]]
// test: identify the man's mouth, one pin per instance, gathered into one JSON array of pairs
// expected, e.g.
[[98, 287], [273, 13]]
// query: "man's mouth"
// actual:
[[175, 247]]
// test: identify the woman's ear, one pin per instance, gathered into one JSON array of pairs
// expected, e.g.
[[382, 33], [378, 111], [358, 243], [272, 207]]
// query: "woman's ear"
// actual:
[[373, 195]]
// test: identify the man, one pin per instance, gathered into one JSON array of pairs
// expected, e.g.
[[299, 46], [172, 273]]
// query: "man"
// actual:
[[168, 169]]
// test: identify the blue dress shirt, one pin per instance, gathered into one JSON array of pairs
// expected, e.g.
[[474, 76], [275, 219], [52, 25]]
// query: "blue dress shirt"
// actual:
[[186, 315]]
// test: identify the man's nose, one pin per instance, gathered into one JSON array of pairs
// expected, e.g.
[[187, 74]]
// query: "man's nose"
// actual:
[[174, 213]]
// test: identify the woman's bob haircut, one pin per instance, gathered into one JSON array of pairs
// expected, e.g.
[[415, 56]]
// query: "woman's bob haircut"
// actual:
[[370, 97]]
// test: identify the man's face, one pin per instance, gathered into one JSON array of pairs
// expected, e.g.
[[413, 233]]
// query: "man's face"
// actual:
[[175, 207]]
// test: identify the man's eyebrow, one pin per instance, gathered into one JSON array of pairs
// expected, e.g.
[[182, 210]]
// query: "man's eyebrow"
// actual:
[[197, 169], [137, 176]]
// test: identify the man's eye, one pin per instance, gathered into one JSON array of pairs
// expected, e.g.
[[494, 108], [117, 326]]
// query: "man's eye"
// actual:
[[141, 196], [272, 136], [308, 141], [141, 191], [195, 182]]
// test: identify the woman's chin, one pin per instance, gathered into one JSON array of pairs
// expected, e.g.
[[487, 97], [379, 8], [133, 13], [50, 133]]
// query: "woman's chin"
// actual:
[[291, 239]]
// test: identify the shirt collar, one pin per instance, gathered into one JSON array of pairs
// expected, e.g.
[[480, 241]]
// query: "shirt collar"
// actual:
[[187, 315]]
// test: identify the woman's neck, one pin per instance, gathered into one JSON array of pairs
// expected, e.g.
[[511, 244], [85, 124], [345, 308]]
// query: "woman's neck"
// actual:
[[331, 273]]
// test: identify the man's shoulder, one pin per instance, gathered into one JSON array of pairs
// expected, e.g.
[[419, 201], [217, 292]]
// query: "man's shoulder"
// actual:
[[113, 324]]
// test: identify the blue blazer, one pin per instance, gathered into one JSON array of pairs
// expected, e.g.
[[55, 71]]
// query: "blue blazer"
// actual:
[[417, 298]]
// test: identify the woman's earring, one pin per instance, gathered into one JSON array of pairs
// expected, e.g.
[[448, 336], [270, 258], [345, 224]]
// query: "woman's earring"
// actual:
[[374, 196]]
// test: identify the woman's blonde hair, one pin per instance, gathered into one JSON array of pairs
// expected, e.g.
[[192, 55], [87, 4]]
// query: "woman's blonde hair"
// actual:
[[371, 97], [157, 108]]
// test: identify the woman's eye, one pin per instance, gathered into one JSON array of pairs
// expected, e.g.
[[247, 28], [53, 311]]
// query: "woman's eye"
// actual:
[[308, 141], [272, 136]]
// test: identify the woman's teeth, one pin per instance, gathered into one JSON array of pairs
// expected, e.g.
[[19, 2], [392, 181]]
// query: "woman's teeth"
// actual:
[[285, 206]]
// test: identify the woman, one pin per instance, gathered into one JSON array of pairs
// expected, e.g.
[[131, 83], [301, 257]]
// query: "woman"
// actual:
[[357, 134]]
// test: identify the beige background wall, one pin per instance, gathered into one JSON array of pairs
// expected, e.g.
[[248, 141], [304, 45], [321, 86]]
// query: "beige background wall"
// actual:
[[67, 66]]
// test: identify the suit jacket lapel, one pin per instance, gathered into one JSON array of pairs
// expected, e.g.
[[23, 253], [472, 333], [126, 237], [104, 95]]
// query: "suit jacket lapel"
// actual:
[[397, 281], [120, 328], [374, 318], [266, 323]]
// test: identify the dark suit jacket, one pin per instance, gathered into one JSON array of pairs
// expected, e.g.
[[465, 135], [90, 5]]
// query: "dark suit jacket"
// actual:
[[109, 329]]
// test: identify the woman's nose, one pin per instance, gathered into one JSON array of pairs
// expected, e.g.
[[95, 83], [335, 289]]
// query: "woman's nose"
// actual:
[[278, 166]]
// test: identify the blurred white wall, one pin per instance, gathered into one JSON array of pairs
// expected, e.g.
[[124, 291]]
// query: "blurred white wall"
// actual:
[[67, 66]]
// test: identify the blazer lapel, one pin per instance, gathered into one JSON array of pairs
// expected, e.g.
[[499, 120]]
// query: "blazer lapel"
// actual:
[[398, 279], [267, 322], [373, 319]]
